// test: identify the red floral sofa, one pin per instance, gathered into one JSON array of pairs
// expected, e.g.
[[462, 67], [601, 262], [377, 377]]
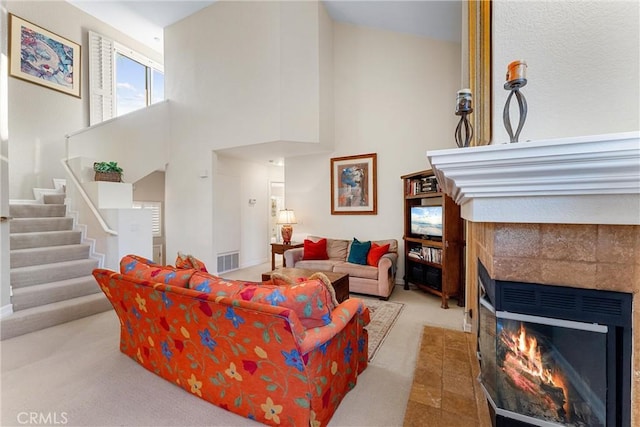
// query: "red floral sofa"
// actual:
[[260, 350]]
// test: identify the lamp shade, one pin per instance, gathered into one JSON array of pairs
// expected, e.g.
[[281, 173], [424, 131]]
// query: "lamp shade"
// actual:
[[287, 216]]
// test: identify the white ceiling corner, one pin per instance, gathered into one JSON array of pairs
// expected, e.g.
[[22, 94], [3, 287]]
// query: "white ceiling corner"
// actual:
[[145, 20]]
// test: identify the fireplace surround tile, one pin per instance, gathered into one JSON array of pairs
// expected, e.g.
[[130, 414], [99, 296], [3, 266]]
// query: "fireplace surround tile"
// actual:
[[616, 277], [514, 268], [569, 242], [521, 239], [568, 273], [618, 244]]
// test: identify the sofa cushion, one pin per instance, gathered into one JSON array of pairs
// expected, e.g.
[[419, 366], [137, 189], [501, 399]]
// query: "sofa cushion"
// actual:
[[284, 280], [375, 253], [318, 265], [189, 261], [208, 283], [358, 252], [145, 269], [310, 299], [357, 270], [315, 250], [336, 248]]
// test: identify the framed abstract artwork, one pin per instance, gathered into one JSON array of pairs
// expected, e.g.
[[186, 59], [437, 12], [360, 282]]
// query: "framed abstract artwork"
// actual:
[[353, 185], [42, 57]]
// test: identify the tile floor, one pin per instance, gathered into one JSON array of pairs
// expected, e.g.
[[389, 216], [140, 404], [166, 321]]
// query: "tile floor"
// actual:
[[445, 390]]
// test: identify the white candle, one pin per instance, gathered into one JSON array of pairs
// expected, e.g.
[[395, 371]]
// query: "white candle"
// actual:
[[464, 101]]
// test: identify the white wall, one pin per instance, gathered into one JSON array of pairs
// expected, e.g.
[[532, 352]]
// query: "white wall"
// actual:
[[583, 66], [237, 74], [394, 96], [4, 166], [240, 225], [151, 189], [40, 117]]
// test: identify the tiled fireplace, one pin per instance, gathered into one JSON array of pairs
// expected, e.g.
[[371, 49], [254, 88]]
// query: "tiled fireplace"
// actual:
[[559, 215]]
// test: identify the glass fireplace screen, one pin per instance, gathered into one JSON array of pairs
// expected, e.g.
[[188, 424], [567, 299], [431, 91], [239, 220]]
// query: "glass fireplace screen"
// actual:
[[544, 371]]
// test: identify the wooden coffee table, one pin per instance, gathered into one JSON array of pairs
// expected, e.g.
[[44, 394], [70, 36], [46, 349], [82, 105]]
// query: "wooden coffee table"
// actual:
[[339, 281]]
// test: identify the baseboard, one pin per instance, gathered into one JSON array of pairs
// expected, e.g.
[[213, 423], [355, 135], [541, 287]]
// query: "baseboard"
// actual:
[[6, 310], [466, 322]]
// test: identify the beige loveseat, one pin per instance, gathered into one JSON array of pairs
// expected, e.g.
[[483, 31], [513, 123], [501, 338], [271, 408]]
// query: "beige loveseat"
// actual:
[[363, 279]]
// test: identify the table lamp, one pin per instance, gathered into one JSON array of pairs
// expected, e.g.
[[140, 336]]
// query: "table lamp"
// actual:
[[286, 218]]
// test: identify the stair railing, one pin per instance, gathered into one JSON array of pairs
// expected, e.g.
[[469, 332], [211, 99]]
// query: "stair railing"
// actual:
[[87, 199]]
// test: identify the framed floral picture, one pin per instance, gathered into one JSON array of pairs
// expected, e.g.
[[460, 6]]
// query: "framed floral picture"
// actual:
[[42, 57], [353, 185]]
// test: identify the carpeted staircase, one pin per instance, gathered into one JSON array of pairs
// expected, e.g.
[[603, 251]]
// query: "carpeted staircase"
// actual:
[[50, 269]]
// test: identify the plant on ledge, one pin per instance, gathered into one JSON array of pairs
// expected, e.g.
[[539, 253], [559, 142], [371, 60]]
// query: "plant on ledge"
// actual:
[[107, 171]]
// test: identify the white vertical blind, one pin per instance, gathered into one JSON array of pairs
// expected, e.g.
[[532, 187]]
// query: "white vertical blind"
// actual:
[[156, 215], [101, 90]]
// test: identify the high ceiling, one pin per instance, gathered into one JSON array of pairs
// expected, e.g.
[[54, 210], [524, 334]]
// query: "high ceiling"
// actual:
[[145, 20]]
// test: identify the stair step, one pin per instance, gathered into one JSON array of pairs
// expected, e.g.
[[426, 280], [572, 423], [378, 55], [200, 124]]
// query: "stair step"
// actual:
[[48, 255], [47, 293], [36, 318], [43, 239], [54, 199], [36, 210], [31, 225], [45, 273]]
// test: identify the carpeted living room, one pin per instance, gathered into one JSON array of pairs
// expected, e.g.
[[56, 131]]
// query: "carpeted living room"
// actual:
[[358, 125], [91, 383]]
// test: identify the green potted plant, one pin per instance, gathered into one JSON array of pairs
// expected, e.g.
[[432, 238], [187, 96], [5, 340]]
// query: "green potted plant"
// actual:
[[107, 171]]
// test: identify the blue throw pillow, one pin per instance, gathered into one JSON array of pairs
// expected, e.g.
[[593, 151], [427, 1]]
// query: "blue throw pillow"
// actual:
[[358, 252]]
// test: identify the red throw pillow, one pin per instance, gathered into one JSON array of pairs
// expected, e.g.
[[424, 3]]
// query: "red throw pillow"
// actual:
[[315, 250], [375, 253]]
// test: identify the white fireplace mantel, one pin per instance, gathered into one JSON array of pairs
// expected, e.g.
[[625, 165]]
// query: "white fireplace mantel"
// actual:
[[579, 180]]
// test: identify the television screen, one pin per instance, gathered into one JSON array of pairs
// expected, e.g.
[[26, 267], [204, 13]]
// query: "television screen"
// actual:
[[426, 221]]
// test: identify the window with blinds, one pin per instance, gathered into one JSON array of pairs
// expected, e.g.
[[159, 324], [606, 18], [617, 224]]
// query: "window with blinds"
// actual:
[[156, 215], [121, 80]]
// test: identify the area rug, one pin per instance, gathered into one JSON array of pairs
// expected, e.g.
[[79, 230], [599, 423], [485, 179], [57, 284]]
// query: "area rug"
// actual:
[[383, 316]]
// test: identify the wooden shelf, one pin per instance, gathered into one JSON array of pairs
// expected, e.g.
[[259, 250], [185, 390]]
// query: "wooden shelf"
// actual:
[[442, 274]]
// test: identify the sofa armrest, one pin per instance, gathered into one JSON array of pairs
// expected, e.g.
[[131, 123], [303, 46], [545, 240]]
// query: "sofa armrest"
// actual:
[[387, 264], [292, 256], [340, 317]]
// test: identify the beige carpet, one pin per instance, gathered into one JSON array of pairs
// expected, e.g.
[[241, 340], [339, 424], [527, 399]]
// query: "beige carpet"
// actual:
[[77, 369], [383, 316]]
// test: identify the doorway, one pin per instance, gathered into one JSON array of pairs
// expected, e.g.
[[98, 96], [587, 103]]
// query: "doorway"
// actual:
[[276, 204]]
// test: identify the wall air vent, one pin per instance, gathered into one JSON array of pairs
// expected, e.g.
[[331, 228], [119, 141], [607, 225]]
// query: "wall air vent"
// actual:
[[228, 261]]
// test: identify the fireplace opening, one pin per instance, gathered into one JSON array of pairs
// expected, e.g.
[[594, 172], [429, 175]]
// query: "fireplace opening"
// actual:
[[553, 355]]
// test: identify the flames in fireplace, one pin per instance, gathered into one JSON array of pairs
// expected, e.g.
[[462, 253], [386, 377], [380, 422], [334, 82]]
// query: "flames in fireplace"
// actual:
[[529, 369]]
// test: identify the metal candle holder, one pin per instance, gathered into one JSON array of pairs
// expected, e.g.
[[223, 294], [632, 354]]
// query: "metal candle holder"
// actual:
[[515, 80], [464, 131]]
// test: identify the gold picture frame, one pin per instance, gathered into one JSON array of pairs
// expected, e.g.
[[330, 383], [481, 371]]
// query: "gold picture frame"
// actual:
[[39, 56], [354, 185], [480, 69]]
